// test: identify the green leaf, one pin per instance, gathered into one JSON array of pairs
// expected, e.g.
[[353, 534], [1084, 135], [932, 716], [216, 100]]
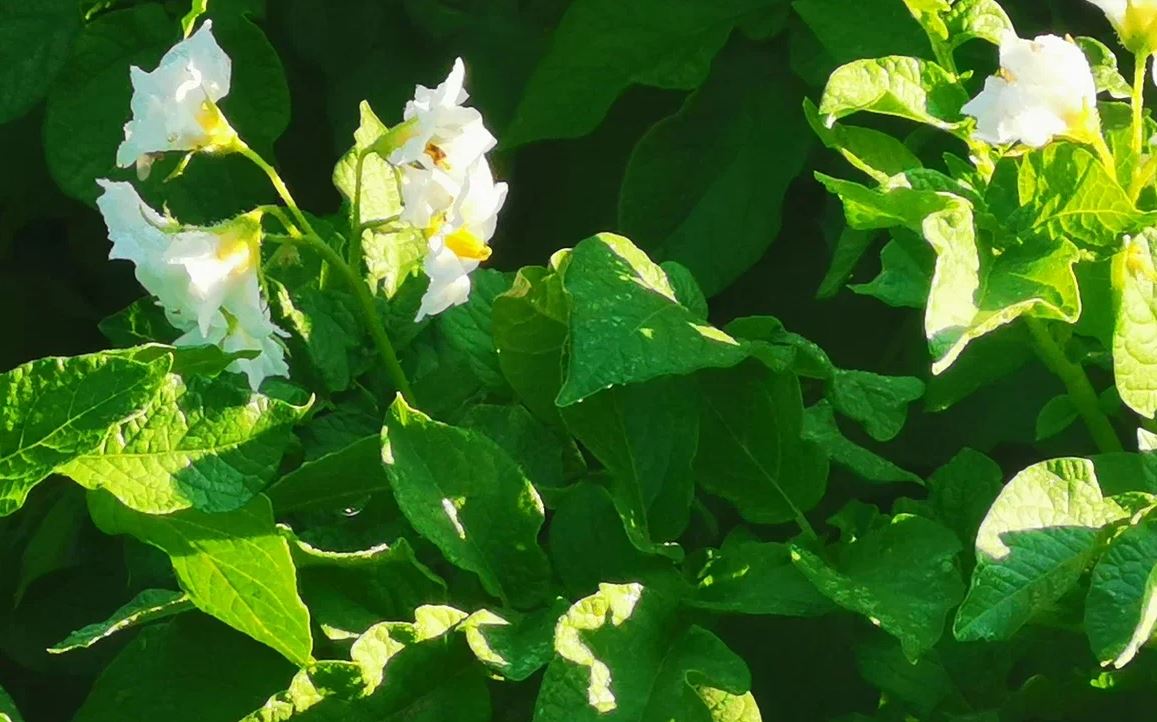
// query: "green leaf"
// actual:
[[689, 180], [8, 711], [538, 451], [1146, 440], [1066, 194], [401, 672], [975, 292], [461, 491], [258, 102], [976, 19], [325, 327], [207, 444], [878, 402], [469, 328], [1057, 415], [602, 47], [334, 481], [529, 324], [752, 577], [621, 654], [350, 591], [820, 427], [1135, 330], [645, 436], [687, 290], [35, 39], [56, 409], [961, 491], [906, 87], [850, 247], [148, 606], [1104, 64], [621, 300], [514, 645], [782, 350], [587, 512], [189, 670], [906, 273], [901, 575], [929, 13], [1033, 546], [392, 254], [750, 450], [1121, 610], [141, 322], [925, 684], [842, 33], [233, 565], [878, 154]]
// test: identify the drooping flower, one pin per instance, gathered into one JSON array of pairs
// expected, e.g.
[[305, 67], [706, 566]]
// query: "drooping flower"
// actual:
[[459, 241], [254, 332], [1045, 89], [443, 133], [175, 106], [1135, 22], [204, 278]]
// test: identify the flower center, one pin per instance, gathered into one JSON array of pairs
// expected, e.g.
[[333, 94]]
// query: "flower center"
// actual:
[[466, 245], [236, 250], [218, 132]]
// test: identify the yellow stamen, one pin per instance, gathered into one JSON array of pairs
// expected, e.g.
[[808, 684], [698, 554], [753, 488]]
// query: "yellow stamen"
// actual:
[[466, 245]]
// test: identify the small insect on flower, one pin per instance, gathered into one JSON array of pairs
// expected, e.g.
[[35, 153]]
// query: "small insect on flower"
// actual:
[[204, 278], [175, 106], [442, 132], [1045, 89]]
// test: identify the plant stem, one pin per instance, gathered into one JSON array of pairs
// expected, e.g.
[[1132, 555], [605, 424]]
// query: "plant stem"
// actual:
[[1076, 382], [312, 240], [1139, 68], [365, 301], [1142, 176], [278, 185], [1103, 152]]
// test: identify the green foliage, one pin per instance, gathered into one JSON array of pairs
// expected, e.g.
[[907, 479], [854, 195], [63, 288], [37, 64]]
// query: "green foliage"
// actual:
[[700, 427]]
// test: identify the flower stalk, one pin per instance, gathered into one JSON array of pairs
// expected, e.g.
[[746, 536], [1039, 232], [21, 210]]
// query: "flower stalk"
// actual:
[[1077, 383]]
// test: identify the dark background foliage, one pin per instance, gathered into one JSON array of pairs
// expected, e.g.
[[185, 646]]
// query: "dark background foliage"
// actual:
[[56, 284]]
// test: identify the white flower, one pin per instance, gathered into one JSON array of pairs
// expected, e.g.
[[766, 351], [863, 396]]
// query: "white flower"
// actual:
[[204, 278], [175, 106], [1045, 89], [427, 195], [1135, 22], [442, 132], [459, 243], [255, 333]]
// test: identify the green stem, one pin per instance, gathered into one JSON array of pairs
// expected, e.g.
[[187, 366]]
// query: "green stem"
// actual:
[[1142, 176], [314, 241], [278, 185], [1139, 68], [1076, 382], [1103, 152], [365, 302]]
